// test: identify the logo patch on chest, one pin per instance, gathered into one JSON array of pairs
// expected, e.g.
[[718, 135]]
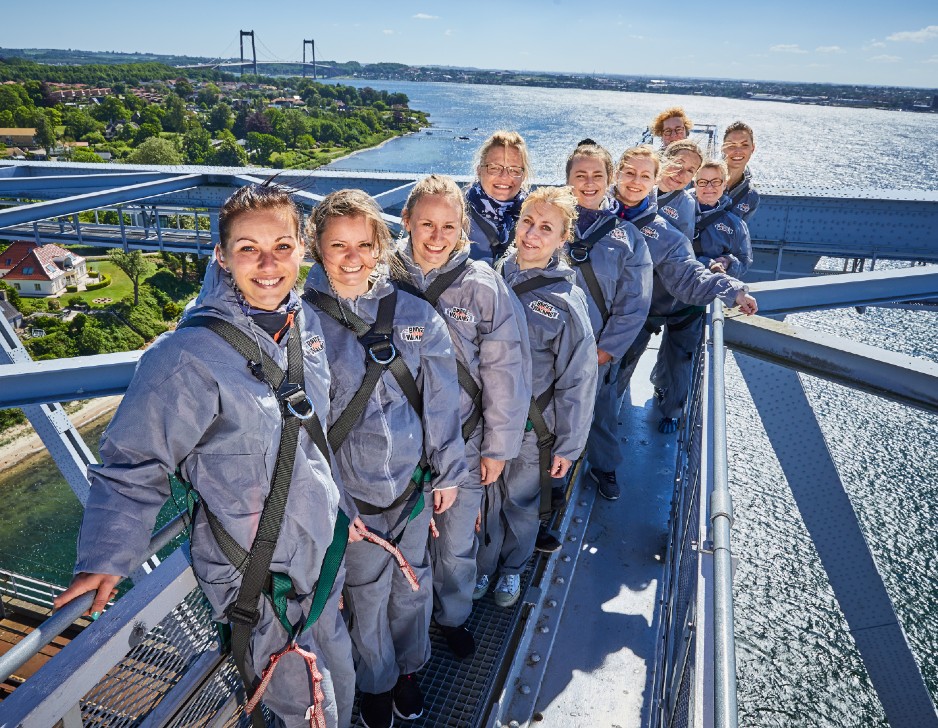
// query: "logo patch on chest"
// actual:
[[412, 333], [460, 314], [619, 234], [743, 207], [544, 309], [314, 344], [669, 211], [723, 227], [649, 232]]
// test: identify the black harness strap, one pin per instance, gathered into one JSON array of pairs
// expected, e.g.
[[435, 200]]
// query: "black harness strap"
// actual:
[[580, 250], [668, 197], [497, 246], [532, 284], [432, 296], [742, 188], [243, 614]]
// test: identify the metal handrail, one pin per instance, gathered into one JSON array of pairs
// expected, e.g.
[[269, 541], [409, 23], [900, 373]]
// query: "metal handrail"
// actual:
[[29, 646], [721, 522]]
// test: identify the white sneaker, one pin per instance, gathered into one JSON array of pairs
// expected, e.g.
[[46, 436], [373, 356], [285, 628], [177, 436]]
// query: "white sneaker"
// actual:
[[507, 590], [482, 586]]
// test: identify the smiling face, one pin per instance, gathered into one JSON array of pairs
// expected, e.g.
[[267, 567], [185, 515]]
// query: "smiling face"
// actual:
[[500, 184], [634, 180], [678, 171], [737, 150], [435, 228], [673, 129], [710, 185], [263, 253], [541, 231], [589, 181], [348, 250]]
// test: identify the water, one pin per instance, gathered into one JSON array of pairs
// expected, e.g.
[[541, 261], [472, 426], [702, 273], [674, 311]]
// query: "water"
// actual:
[[797, 662]]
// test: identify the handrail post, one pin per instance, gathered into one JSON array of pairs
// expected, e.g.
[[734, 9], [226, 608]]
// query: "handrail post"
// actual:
[[721, 522]]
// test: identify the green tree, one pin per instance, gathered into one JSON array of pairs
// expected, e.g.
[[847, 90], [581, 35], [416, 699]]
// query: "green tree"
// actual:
[[175, 117], [134, 264], [208, 95], [295, 124], [220, 117], [155, 151], [183, 88], [45, 132], [111, 109], [196, 145], [146, 131], [81, 154], [263, 145], [228, 154], [79, 122]]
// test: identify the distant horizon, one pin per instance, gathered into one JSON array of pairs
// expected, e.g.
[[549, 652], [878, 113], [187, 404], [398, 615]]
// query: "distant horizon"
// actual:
[[444, 66], [863, 42]]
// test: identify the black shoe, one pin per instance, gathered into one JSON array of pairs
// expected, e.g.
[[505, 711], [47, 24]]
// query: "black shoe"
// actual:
[[558, 498], [460, 640], [374, 709], [546, 542], [407, 698], [608, 486]]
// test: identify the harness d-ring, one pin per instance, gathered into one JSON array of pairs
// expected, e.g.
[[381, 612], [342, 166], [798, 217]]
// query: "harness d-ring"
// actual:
[[383, 362], [310, 413], [579, 254]]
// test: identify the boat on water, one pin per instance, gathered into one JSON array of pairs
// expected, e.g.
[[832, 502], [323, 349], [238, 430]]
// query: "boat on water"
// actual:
[[631, 622]]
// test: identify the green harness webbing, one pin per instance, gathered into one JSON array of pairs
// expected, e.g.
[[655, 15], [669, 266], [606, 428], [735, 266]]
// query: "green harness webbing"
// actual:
[[432, 295], [545, 438], [243, 614], [580, 250], [380, 355]]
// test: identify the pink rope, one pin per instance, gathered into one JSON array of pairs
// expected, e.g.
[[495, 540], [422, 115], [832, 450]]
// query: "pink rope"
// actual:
[[406, 568], [315, 714]]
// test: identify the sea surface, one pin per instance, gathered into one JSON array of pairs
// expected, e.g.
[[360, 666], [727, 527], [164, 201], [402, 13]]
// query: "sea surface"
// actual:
[[797, 663]]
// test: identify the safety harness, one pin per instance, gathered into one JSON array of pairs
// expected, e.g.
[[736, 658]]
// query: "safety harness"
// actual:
[[536, 421], [432, 295], [497, 246], [580, 250], [662, 201], [257, 579], [380, 355]]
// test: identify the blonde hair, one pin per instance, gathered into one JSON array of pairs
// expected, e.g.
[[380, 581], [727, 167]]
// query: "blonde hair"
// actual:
[[714, 164], [257, 198], [349, 203], [589, 148], [681, 145], [560, 197], [440, 185], [642, 150], [657, 124], [506, 140]]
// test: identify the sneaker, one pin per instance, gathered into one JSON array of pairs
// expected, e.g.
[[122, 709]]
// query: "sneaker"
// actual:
[[407, 698], [375, 710], [507, 590], [546, 542], [482, 586], [460, 640], [667, 425], [608, 486]]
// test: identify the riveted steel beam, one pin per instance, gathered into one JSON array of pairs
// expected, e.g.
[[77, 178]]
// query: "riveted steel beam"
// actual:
[[63, 380]]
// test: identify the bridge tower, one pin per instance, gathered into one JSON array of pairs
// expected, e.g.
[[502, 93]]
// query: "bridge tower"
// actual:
[[253, 51], [312, 47]]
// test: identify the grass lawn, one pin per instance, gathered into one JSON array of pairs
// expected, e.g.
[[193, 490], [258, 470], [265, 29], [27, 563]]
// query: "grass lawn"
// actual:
[[120, 285]]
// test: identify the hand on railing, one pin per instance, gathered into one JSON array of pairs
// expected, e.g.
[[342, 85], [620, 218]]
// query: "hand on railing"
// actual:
[[747, 304], [104, 586]]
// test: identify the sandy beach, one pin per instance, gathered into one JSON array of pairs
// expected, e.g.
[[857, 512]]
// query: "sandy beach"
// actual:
[[21, 443]]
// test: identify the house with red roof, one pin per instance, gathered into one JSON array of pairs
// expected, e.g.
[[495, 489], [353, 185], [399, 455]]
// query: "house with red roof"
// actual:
[[41, 270]]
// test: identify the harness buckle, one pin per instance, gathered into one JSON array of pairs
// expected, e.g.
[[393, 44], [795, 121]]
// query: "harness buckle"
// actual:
[[376, 345], [295, 399], [237, 615], [579, 253]]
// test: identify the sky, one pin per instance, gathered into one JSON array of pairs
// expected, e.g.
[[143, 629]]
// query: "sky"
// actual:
[[861, 42]]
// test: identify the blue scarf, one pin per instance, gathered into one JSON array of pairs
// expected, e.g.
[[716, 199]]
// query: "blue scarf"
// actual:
[[615, 206], [586, 218], [503, 215]]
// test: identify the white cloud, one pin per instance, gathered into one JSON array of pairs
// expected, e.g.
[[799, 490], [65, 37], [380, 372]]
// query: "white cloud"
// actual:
[[449, 31], [874, 44], [637, 37], [787, 48], [915, 36], [387, 32], [933, 59], [424, 16], [829, 49], [886, 59]]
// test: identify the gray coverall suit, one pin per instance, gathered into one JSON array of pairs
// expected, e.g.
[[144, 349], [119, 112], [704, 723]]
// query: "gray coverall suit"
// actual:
[[193, 403], [487, 336], [563, 353], [390, 622]]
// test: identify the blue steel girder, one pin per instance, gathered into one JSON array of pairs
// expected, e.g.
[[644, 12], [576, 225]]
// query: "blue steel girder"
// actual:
[[855, 223], [90, 201], [849, 289], [67, 185]]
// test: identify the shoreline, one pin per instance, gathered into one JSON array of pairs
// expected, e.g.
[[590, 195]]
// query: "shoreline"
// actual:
[[21, 445], [371, 149]]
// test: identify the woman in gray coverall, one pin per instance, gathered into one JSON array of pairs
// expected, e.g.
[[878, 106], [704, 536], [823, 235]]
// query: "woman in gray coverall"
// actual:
[[399, 440], [195, 405], [490, 339]]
